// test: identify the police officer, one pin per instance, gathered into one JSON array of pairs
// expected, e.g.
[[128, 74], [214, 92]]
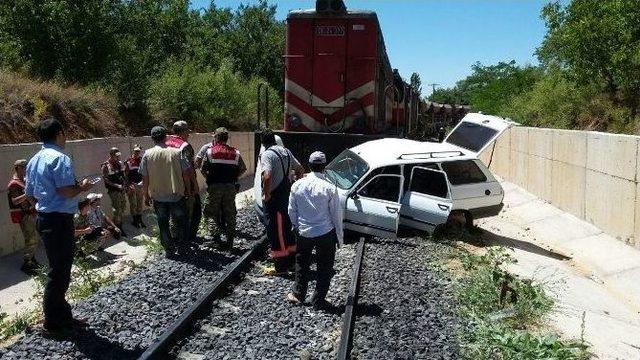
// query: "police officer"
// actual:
[[316, 214], [277, 163], [23, 212], [134, 181], [222, 166], [50, 179], [116, 184], [180, 140]]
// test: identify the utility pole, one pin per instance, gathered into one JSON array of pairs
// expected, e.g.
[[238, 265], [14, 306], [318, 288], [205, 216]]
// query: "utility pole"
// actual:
[[433, 87]]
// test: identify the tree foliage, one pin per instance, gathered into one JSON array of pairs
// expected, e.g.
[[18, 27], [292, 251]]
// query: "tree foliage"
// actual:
[[416, 83], [126, 46], [588, 77], [597, 42]]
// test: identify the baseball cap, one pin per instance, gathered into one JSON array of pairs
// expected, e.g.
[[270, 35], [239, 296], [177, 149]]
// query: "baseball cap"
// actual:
[[94, 196], [21, 162], [158, 132], [317, 157], [114, 151], [180, 126], [221, 130]]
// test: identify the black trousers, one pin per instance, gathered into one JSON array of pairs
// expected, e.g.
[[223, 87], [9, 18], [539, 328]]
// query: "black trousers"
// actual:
[[57, 233], [325, 247]]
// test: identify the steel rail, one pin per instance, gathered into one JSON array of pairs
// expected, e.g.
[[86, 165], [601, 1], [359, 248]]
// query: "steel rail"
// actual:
[[349, 317], [159, 348]]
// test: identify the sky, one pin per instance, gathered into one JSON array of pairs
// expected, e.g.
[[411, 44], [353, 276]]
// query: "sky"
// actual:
[[440, 40]]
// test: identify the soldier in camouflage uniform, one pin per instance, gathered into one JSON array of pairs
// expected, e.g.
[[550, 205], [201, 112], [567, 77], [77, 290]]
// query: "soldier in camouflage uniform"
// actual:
[[116, 184], [22, 210], [89, 237], [180, 140], [134, 191], [222, 166]]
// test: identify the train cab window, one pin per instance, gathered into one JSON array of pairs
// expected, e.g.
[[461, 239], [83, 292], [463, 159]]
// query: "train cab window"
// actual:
[[382, 187], [463, 172]]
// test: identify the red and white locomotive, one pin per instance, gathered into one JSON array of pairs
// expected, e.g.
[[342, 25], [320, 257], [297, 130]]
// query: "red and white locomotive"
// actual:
[[338, 77]]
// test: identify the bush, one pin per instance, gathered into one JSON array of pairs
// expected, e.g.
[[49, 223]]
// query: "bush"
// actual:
[[209, 98]]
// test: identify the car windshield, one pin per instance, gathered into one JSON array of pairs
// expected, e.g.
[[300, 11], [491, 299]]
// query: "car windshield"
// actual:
[[346, 169]]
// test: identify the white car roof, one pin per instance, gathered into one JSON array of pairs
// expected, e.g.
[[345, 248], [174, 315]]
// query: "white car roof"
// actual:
[[391, 151]]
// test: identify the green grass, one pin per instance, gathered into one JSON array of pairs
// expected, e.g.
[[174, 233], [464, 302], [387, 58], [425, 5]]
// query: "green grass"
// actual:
[[12, 326], [505, 327]]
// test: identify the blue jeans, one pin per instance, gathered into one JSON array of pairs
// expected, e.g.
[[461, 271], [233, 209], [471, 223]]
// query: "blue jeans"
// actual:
[[178, 211]]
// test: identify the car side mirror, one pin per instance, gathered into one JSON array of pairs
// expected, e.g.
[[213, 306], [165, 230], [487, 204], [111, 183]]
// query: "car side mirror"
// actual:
[[354, 195]]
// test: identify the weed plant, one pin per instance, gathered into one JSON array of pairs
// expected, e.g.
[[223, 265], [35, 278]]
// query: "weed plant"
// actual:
[[505, 312]]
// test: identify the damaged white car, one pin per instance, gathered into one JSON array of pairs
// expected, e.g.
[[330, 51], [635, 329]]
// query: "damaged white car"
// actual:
[[388, 184]]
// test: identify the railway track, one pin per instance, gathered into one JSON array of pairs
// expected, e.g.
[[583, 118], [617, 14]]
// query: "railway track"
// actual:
[[388, 304], [162, 347]]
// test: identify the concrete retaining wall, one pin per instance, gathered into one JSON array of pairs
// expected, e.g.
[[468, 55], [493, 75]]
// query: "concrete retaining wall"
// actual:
[[87, 156], [591, 175]]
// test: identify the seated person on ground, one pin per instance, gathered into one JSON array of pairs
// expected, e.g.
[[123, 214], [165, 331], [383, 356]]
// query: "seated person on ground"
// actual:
[[89, 238], [99, 220]]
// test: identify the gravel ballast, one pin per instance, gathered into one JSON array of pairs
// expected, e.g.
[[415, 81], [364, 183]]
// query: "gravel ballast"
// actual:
[[405, 308], [256, 322], [126, 318]]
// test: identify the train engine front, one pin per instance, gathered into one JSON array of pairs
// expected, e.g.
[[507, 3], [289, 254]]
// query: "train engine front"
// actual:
[[337, 73]]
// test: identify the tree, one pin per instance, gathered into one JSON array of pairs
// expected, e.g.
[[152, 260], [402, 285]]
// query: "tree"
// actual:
[[416, 83], [597, 42]]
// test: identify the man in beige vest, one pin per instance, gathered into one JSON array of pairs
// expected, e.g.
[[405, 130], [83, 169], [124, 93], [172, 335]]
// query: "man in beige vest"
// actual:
[[165, 172]]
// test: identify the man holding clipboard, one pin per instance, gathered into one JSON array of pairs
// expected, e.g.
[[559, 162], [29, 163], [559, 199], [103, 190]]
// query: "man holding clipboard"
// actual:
[[51, 180]]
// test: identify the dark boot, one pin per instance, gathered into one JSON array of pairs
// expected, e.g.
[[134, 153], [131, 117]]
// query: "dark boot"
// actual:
[[136, 221], [29, 267], [142, 225], [122, 233]]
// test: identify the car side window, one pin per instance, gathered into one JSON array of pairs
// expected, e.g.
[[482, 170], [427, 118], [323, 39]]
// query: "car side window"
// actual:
[[429, 182], [409, 167], [463, 172], [383, 187]]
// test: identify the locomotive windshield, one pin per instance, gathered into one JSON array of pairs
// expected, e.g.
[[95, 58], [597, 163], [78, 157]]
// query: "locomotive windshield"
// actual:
[[346, 169]]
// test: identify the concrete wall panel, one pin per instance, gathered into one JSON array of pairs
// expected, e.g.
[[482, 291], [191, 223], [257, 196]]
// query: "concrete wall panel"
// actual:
[[570, 147], [519, 168], [539, 177], [610, 204], [567, 191], [612, 154], [541, 142], [636, 240], [520, 139]]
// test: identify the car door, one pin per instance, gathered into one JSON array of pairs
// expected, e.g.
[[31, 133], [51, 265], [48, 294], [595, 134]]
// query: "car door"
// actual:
[[476, 132], [427, 203], [374, 208]]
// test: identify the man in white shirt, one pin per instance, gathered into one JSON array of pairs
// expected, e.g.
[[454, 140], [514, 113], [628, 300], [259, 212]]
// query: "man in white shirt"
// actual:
[[316, 214]]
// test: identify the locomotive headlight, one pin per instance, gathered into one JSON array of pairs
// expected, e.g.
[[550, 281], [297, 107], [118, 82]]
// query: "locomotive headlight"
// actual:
[[295, 120]]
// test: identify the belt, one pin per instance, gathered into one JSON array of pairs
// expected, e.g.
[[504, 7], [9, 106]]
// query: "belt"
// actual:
[[54, 214]]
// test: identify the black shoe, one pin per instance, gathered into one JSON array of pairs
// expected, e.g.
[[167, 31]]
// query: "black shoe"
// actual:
[[136, 222], [30, 267], [322, 305], [100, 248], [77, 322], [122, 233]]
